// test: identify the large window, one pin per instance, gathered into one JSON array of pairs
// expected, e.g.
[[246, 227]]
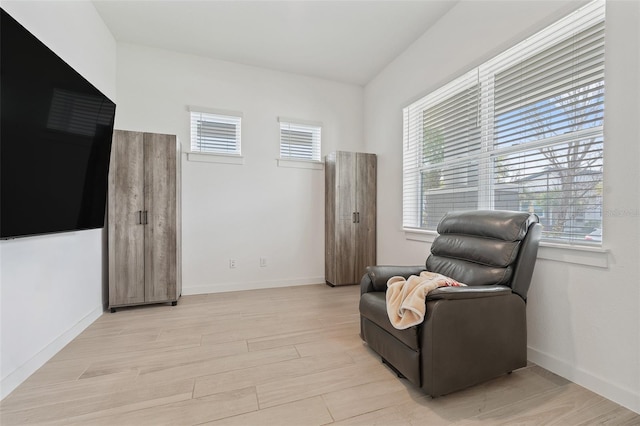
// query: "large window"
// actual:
[[524, 131]]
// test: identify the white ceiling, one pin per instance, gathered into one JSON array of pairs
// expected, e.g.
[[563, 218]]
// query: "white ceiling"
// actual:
[[347, 41]]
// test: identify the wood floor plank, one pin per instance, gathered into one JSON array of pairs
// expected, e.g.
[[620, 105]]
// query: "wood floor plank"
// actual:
[[307, 412], [284, 356], [357, 400], [262, 374], [65, 391], [122, 345], [218, 365], [305, 336], [57, 372], [100, 416], [557, 406], [189, 412], [153, 361], [105, 403], [330, 345], [389, 416], [294, 389]]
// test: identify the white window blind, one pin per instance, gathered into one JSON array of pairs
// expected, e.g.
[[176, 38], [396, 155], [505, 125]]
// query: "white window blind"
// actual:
[[215, 133], [524, 131], [299, 141]]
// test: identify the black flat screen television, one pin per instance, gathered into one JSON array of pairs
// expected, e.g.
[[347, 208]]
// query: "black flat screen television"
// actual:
[[55, 140]]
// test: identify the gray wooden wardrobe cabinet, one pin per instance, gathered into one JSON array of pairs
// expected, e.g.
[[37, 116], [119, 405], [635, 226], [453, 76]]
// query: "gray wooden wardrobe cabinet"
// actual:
[[144, 219], [350, 216]]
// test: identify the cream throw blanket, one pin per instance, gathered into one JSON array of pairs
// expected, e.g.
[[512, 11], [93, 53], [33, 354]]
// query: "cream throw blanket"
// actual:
[[406, 298]]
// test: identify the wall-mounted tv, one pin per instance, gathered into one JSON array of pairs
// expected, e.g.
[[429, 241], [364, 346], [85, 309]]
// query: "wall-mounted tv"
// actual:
[[55, 140]]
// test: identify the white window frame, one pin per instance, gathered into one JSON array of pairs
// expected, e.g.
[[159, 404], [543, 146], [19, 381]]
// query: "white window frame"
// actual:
[[483, 75], [229, 151], [299, 157]]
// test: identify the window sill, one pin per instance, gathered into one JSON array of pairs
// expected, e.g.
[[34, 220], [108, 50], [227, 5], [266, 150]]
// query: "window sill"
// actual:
[[420, 235], [580, 255], [300, 164], [215, 158], [588, 256]]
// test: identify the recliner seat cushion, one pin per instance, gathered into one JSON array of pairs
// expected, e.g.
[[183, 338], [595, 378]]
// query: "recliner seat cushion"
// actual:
[[373, 306]]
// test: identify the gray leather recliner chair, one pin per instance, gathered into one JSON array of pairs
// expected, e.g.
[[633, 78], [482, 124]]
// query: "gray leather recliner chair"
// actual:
[[469, 334]]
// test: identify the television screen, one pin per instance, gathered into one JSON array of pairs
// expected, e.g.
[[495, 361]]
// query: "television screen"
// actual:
[[55, 140]]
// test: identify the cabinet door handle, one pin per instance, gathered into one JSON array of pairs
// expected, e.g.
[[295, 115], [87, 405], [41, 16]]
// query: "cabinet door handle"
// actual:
[[146, 217], [353, 217], [139, 217], [358, 217]]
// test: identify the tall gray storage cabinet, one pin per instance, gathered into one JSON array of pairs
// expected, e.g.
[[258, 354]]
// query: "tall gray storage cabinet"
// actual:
[[350, 216], [144, 219]]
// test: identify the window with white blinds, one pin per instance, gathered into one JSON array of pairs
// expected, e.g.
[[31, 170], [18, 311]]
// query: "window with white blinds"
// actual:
[[299, 141], [524, 131], [214, 133]]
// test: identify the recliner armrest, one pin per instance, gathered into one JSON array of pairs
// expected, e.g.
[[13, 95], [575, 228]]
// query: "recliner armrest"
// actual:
[[376, 277], [471, 292]]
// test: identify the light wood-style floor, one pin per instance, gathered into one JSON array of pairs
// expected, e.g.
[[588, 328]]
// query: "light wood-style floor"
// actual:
[[286, 356]]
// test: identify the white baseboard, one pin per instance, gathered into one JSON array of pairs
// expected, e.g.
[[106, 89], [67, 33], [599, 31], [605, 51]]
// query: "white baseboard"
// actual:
[[16, 377], [251, 285], [616, 393]]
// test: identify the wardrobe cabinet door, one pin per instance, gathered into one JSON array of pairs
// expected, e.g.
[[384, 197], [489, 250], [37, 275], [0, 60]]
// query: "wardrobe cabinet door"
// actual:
[[126, 231], [365, 194], [345, 217], [160, 218]]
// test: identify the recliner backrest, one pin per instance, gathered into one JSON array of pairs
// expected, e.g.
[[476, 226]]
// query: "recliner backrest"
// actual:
[[487, 247]]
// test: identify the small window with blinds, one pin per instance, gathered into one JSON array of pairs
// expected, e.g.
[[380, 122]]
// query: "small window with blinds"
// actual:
[[215, 133], [524, 131], [300, 140]]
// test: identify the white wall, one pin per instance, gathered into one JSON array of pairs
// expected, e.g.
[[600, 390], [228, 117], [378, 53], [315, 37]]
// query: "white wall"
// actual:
[[51, 287], [242, 212], [583, 321]]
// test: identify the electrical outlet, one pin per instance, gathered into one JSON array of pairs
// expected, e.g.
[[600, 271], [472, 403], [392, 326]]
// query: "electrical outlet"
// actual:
[[232, 263], [263, 262]]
